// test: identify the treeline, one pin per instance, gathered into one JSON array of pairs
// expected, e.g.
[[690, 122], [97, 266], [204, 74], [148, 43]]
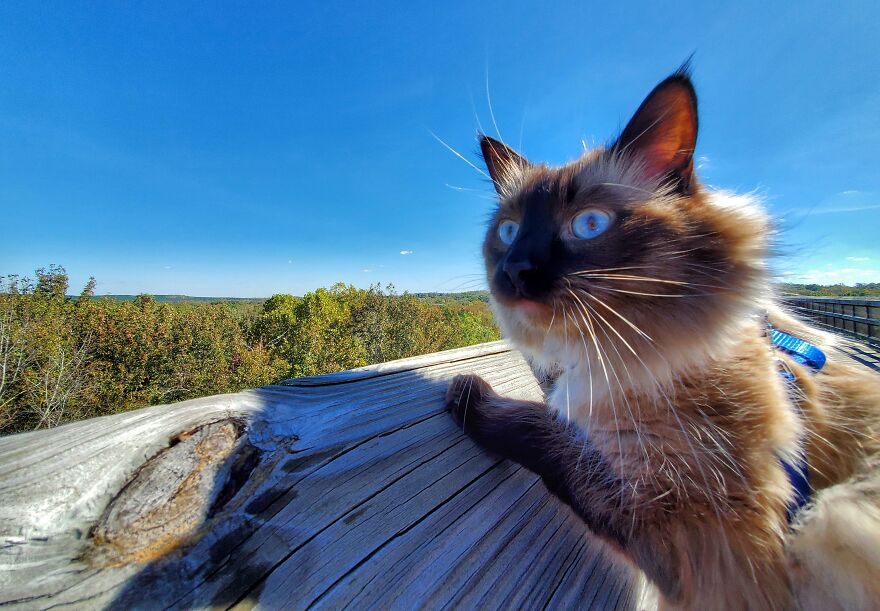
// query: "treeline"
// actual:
[[464, 297], [64, 359], [184, 298], [867, 289]]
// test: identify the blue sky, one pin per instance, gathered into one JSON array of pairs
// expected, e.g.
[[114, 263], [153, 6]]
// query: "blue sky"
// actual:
[[254, 148]]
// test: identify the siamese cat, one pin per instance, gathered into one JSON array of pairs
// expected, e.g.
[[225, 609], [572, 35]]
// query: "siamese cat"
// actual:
[[675, 428]]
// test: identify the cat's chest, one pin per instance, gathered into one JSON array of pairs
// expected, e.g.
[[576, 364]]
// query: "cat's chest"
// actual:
[[711, 422], [601, 397]]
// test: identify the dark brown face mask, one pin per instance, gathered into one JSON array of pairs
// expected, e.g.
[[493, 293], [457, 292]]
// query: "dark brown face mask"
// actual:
[[625, 233], [537, 238]]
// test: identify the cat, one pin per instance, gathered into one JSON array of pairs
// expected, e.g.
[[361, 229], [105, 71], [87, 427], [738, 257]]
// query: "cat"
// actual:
[[672, 420]]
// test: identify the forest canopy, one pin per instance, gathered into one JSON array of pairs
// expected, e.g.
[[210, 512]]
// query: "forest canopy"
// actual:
[[66, 358]]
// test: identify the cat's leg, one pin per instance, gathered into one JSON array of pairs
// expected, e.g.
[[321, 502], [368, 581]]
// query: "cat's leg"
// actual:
[[522, 431], [529, 434], [681, 554]]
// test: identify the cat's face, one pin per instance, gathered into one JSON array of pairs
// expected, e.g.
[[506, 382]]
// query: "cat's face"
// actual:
[[622, 244]]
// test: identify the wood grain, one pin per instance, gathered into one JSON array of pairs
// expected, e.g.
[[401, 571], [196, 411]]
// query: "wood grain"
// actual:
[[348, 490]]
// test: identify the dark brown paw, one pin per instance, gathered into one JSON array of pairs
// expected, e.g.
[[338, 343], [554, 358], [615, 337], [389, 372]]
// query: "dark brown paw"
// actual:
[[466, 396]]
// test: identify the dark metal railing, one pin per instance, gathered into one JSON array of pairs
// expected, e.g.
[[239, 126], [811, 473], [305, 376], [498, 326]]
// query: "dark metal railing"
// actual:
[[856, 317]]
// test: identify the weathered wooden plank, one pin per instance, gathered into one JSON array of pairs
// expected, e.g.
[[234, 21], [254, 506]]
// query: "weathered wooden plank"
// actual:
[[354, 489]]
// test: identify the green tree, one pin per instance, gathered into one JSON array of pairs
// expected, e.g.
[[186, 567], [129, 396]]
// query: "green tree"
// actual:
[[63, 359], [275, 325], [324, 340]]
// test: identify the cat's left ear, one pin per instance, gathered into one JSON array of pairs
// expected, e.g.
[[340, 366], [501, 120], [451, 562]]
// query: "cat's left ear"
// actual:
[[506, 166], [663, 131]]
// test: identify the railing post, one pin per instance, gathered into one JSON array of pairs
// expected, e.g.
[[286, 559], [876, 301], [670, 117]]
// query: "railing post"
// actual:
[[855, 317]]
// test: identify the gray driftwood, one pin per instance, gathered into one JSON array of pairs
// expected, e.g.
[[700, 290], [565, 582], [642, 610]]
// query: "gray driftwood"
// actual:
[[352, 489]]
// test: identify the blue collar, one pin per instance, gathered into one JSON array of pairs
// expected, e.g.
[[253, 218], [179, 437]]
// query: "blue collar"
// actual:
[[798, 350], [813, 358]]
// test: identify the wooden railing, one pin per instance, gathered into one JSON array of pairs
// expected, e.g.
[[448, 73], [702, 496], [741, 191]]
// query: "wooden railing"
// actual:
[[354, 489], [856, 317]]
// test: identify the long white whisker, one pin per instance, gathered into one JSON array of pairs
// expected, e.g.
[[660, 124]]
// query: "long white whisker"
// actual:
[[605, 288], [644, 131], [634, 188], [636, 421], [459, 155], [620, 316], [489, 102], [643, 279], [567, 396], [595, 339]]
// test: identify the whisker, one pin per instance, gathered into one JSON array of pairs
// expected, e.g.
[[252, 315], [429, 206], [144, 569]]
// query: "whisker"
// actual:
[[609, 269], [567, 396], [644, 131], [634, 188], [481, 193], [620, 316], [595, 339], [459, 155], [489, 102], [605, 288], [644, 279]]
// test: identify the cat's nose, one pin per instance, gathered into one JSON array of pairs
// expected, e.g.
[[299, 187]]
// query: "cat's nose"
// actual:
[[519, 272]]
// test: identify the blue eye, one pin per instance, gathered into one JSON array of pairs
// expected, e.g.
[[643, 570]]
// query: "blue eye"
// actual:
[[507, 231], [590, 223]]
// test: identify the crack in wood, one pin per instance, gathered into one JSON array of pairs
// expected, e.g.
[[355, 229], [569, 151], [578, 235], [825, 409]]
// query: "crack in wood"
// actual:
[[272, 495], [172, 495]]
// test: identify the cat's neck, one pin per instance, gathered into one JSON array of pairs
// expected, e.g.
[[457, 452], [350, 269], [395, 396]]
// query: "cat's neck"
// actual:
[[596, 376]]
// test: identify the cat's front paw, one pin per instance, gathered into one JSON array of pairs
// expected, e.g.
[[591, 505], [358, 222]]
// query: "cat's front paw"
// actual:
[[465, 399]]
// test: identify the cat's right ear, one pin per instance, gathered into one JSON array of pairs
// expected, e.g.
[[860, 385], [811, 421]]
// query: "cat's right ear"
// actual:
[[663, 132], [506, 166]]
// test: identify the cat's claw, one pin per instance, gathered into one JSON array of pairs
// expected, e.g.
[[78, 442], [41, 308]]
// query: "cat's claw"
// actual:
[[464, 398]]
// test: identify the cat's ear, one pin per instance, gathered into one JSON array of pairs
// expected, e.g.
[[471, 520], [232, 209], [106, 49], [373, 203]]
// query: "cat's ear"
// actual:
[[506, 166], [663, 131]]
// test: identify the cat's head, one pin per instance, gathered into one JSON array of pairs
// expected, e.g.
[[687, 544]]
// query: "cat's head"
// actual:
[[622, 244]]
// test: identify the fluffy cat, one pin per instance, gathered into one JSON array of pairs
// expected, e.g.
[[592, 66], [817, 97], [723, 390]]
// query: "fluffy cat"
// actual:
[[668, 426]]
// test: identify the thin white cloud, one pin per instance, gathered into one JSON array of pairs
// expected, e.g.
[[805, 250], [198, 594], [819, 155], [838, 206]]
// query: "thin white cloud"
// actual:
[[290, 261], [846, 275], [840, 209], [366, 270], [858, 258], [851, 200], [406, 252], [167, 267]]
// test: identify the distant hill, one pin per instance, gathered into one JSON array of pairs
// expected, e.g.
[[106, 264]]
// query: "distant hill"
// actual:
[[869, 289], [786, 288], [465, 297], [438, 298], [183, 298]]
